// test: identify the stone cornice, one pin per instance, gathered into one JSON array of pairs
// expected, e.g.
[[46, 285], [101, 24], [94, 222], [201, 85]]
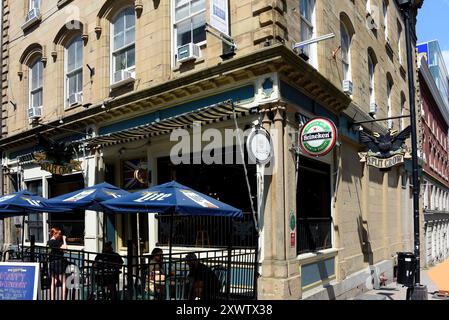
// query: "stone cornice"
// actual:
[[276, 58]]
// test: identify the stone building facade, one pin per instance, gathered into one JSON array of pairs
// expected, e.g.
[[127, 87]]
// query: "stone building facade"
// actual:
[[98, 72]]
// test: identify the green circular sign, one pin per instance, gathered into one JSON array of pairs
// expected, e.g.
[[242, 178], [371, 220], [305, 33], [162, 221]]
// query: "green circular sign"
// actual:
[[318, 137], [292, 221]]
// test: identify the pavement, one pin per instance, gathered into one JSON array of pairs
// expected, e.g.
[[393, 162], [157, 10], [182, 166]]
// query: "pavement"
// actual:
[[436, 279]]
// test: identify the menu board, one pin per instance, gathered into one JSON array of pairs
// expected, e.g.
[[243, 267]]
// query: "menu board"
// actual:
[[19, 281]]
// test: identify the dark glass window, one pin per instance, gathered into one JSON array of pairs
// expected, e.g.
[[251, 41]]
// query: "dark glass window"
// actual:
[[313, 201]]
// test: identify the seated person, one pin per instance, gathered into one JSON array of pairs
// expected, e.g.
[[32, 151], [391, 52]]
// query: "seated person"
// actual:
[[156, 274], [107, 267], [205, 284]]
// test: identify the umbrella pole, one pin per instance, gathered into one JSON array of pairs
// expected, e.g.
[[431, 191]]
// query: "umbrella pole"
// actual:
[[138, 235], [170, 248], [23, 233]]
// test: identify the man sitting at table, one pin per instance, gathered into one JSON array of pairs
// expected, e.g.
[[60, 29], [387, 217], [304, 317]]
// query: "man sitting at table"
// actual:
[[107, 269], [204, 283]]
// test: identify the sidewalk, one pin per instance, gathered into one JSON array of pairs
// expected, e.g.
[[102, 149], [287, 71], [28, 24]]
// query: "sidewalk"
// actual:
[[430, 278]]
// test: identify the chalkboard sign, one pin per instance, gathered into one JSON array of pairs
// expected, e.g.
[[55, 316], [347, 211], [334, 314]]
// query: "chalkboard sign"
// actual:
[[19, 281]]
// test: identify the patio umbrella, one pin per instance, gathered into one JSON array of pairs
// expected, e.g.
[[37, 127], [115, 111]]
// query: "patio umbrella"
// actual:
[[21, 204], [88, 198], [172, 198]]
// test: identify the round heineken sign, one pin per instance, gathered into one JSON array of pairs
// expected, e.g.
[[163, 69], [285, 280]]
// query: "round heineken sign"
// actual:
[[318, 137]]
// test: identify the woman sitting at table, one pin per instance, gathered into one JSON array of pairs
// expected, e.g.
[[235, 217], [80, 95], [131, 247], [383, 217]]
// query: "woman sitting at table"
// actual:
[[155, 281]]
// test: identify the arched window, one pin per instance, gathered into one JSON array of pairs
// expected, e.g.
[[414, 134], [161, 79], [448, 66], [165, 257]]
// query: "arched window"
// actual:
[[74, 71], [123, 44], [345, 51], [36, 84]]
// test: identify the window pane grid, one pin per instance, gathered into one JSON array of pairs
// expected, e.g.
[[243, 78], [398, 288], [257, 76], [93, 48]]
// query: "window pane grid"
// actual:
[[124, 41]]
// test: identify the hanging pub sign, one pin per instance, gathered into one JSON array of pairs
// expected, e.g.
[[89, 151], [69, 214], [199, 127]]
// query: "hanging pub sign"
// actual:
[[385, 151], [56, 157], [318, 137]]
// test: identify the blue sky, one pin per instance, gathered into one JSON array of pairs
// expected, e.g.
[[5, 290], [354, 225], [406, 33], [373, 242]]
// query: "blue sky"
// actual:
[[433, 23]]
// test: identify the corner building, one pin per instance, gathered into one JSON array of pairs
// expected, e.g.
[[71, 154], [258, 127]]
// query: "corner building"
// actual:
[[109, 75]]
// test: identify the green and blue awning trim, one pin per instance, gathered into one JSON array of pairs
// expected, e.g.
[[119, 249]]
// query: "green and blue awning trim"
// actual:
[[206, 115]]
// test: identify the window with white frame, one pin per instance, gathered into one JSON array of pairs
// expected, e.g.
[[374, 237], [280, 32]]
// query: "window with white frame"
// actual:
[[36, 84], [189, 22], [74, 70], [307, 11], [123, 43], [368, 6], [346, 51], [35, 4], [400, 42], [385, 15], [403, 101], [389, 106], [371, 71]]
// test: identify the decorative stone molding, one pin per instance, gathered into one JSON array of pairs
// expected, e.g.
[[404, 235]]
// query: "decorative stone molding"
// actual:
[[273, 24], [139, 8]]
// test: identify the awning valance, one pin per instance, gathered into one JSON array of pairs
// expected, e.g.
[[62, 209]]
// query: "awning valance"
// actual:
[[210, 114]]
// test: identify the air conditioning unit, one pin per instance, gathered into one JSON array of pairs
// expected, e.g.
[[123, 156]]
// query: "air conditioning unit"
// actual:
[[122, 76], [188, 52], [373, 108], [34, 13], [75, 98], [347, 87], [34, 112]]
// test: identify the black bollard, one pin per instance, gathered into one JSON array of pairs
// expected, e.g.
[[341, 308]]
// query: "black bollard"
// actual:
[[32, 247]]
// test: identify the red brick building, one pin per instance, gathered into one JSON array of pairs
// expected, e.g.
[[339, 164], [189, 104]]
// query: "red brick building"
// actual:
[[435, 177]]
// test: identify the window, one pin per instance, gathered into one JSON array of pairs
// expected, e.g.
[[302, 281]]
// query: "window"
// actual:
[[36, 89], [389, 106], [74, 69], [189, 22], [307, 10], [368, 6], [403, 102], [399, 42], [313, 203], [385, 14], [123, 35], [345, 52], [35, 220], [35, 4], [371, 71]]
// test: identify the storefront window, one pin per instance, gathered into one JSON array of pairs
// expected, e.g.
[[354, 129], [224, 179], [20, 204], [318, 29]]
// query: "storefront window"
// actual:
[[313, 201], [35, 220], [225, 182], [71, 223]]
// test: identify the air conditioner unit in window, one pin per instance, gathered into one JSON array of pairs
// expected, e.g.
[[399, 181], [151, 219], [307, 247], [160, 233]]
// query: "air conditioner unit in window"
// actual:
[[347, 87], [188, 52], [33, 14], [123, 76], [34, 112], [75, 98], [373, 108]]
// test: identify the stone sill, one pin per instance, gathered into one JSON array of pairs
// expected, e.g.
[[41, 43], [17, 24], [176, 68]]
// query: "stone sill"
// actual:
[[308, 258], [62, 3], [29, 23]]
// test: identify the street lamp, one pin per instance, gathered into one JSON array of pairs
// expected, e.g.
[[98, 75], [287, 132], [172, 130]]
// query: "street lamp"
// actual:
[[418, 292]]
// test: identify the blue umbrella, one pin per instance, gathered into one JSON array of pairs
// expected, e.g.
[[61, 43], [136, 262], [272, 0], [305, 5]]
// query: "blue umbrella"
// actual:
[[172, 198], [169, 198], [23, 202], [88, 198]]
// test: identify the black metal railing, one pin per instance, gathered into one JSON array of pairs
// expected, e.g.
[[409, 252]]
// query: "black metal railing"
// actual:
[[314, 234], [228, 274], [207, 232]]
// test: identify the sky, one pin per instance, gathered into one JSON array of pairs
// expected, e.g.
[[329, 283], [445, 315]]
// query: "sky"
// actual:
[[433, 24]]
